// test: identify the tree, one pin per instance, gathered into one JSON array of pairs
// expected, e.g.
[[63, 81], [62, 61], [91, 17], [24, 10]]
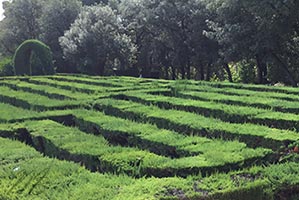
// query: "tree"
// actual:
[[169, 36], [171, 19], [58, 15], [135, 16], [20, 23], [165, 38], [97, 40], [37, 19], [234, 28], [257, 30], [282, 20], [92, 2]]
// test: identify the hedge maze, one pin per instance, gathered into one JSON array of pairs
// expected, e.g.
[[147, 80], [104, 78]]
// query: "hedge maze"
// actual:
[[81, 137]]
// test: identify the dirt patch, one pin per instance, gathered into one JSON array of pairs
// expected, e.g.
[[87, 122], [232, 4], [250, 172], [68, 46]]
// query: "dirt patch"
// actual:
[[290, 193], [201, 191], [238, 179], [175, 192]]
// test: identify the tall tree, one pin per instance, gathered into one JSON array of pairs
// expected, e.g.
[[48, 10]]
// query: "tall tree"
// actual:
[[57, 17], [136, 15], [169, 35], [37, 19], [97, 40], [20, 23], [256, 30]]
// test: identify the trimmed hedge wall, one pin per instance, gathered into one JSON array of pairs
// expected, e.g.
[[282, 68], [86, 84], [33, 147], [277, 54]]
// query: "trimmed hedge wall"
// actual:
[[33, 57]]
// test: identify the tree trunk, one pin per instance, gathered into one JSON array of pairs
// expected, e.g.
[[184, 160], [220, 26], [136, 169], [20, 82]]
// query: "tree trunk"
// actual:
[[173, 72], [229, 74], [202, 72], [183, 63], [166, 72], [261, 69], [286, 69], [208, 75], [165, 65], [183, 71], [188, 69], [99, 67]]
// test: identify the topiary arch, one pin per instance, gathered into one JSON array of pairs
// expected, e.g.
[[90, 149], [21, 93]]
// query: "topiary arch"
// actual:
[[25, 55]]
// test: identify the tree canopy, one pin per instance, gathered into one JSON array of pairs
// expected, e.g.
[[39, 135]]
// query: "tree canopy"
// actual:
[[97, 39], [237, 40]]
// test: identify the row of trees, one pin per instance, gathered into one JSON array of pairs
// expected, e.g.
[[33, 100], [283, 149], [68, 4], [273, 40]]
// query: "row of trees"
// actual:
[[254, 40]]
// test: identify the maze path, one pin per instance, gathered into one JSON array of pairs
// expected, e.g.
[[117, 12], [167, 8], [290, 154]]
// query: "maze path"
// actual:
[[29, 100], [260, 102], [26, 174], [190, 123], [228, 91], [262, 88], [118, 144], [94, 152], [228, 113]]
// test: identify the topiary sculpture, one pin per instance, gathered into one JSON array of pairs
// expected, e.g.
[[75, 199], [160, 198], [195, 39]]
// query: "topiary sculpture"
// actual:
[[33, 57]]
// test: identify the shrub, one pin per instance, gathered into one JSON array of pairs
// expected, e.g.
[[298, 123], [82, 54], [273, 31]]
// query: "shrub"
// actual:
[[33, 57], [6, 67]]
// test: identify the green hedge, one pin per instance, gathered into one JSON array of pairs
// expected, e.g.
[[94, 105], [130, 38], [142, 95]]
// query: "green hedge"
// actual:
[[33, 57], [56, 140], [204, 88], [193, 124], [29, 100], [224, 112]]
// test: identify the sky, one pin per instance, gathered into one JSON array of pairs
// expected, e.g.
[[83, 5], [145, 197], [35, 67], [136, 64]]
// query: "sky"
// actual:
[[1, 10]]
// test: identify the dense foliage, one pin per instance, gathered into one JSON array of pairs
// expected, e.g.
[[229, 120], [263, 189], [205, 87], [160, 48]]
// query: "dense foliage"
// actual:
[[33, 57], [6, 67], [237, 40], [96, 40]]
